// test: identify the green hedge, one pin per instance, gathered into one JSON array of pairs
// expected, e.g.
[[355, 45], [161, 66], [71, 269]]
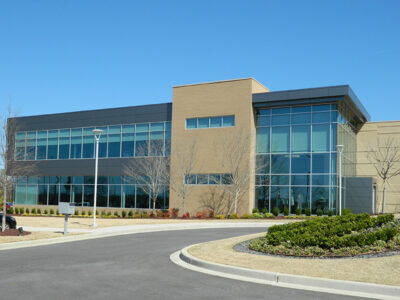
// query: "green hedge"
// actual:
[[343, 231]]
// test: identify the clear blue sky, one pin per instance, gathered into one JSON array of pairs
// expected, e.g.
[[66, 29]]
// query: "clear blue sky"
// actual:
[[59, 56]]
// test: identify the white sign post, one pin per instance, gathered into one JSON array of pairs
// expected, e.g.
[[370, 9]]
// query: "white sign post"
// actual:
[[66, 209]]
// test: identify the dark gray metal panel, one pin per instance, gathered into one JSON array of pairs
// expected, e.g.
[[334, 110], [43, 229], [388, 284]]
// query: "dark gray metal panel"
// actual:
[[358, 196], [343, 91], [112, 116], [72, 167]]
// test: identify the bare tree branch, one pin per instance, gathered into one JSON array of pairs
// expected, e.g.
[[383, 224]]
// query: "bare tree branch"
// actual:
[[184, 157], [385, 157]]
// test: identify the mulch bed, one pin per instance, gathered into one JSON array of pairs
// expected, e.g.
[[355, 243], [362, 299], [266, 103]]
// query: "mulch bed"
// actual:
[[13, 232]]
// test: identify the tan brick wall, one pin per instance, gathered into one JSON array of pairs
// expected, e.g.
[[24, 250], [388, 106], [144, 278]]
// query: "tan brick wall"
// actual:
[[369, 135], [206, 100]]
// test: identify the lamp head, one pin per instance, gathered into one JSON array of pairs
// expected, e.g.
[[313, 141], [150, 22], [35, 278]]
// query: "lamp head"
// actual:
[[97, 133], [340, 148]]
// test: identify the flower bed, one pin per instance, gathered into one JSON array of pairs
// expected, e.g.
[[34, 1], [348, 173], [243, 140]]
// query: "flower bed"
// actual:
[[339, 236]]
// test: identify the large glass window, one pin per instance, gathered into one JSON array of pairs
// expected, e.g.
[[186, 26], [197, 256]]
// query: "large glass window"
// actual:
[[128, 196], [263, 139], [280, 139], [42, 194], [76, 147], [114, 196], [320, 163], [301, 138], [128, 144], [142, 144], [301, 163], [142, 199], [320, 138], [114, 145], [262, 197], [88, 146], [63, 148], [41, 149], [280, 164]]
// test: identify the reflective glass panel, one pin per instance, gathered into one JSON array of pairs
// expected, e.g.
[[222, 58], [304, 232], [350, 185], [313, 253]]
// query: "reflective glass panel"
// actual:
[[323, 107], [128, 196], [279, 197], [301, 138], [262, 197], [216, 122], [320, 138], [42, 194], [280, 120], [300, 180], [76, 147], [321, 117], [157, 127], [320, 199], [301, 118], [142, 127], [41, 149], [280, 139], [278, 111], [262, 164], [88, 146], [263, 139], [228, 121], [301, 109], [320, 179], [301, 163], [114, 199], [53, 194], [279, 180], [203, 122], [114, 145], [142, 144], [63, 148], [142, 199], [127, 144], [263, 121], [191, 123], [102, 191], [280, 164], [320, 163], [300, 198], [31, 194]]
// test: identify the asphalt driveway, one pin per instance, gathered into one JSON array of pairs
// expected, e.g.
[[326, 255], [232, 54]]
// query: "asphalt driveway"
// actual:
[[133, 266]]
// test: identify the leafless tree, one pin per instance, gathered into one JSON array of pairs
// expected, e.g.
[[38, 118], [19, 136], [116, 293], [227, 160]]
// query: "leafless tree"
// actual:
[[385, 157], [236, 161], [151, 173], [184, 157], [216, 200]]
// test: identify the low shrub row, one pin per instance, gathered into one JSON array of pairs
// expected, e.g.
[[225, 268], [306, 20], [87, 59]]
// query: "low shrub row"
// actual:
[[326, 236]]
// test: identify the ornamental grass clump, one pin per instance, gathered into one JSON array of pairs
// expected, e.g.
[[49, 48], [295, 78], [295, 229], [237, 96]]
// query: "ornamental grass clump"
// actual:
[[325, 236]]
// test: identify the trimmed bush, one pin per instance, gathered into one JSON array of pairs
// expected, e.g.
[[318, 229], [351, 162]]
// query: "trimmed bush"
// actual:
[[116, 214], [298, 211], [76, 213], [130, 214], [256, 216], [109, 214], [16, 210], [267, 215], [39, 211], [320, 212], [220, 217], [46, 212], [245, 216], [264, 210], [255, 210], [103, 213], [123, 213], [330, 213], [51, 211], [83, 213], [186, 216], [11, 210], [233, 216], [33, 211], [324, 236], [89, 212], [285, 211], [275, 211], [307, 212], [346, 212]]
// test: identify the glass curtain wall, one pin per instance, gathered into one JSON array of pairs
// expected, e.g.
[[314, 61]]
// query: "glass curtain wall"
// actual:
[[113, 192], [296, 158], [147, 139]]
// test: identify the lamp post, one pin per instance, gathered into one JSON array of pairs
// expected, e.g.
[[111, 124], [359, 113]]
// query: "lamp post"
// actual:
[[339, 149], [97, 133]]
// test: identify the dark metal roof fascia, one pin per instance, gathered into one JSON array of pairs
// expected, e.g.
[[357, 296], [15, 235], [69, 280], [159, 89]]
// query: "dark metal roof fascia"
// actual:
[[313, 95]]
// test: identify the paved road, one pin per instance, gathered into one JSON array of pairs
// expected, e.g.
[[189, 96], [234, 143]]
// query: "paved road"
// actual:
[[127, 267]]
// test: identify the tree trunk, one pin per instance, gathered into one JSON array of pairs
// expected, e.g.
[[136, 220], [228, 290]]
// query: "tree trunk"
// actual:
[[3, 221], [183, 206], [154, 204], [383, 199]]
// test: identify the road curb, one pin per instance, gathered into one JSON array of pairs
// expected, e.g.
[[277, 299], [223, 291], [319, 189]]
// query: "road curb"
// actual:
[[343, 287]]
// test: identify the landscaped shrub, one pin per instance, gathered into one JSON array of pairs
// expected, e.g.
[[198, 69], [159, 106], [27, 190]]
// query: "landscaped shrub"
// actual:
[[166, 214], [116, 214], [51, 211], [109, 214], [130, 214], [33, 211], [186, 215], [264, 210], [346, 212], [307, 212], [144, 214], [103, 213], [267, 215], [76, 213], [46, 212], [220, 217], [97, 212], [298, 211], [320, 212], [330, 213], [83, 213], [233, 216], [89, 212], [159, 213], [39, 211], [285, 210], [174, 212], [16, 210], [329, 234], [123, 213], [152, 215], [255, 210], [137, 215], [257, 216], [245, 216], [203, 214], [11, 210], [275, 211], [57, 212]]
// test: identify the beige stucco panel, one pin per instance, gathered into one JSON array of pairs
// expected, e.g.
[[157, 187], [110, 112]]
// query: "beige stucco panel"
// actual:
[[206, 100]]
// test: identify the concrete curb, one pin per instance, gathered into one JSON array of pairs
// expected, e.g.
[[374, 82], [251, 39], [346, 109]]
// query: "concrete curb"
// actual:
[[376, 291], [124, 230]]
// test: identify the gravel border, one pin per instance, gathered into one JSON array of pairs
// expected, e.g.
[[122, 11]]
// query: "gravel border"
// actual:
[[244, 248]]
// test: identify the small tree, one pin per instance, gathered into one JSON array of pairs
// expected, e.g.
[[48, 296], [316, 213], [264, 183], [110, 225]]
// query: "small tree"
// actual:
[[236, 162], [7, 131], [184, 158], [151, 172], [385, 157]]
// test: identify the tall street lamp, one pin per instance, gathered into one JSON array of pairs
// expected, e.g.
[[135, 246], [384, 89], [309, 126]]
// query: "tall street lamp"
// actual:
[[339, 149], [97, 133]]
